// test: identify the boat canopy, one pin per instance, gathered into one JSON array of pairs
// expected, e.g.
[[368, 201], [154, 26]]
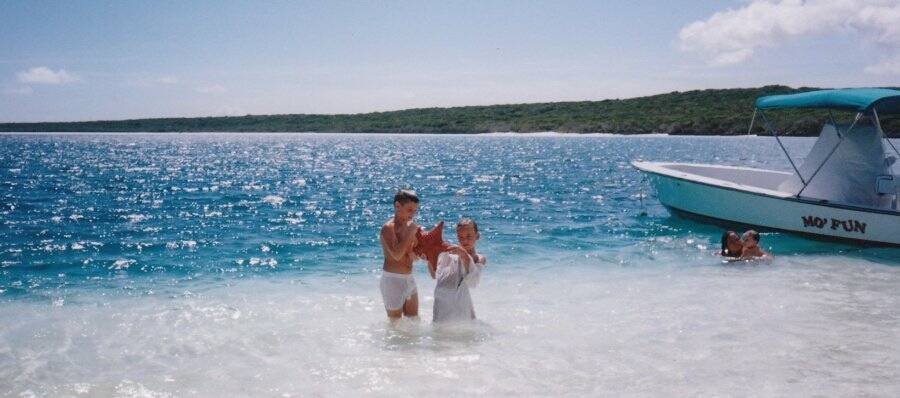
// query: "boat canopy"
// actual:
[[842, 167], [882, 100]]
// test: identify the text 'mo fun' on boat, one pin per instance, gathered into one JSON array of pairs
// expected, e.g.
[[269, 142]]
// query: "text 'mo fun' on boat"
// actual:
[[846, 187]]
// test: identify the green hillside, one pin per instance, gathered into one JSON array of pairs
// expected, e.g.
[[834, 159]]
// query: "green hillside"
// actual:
[[704, 112]]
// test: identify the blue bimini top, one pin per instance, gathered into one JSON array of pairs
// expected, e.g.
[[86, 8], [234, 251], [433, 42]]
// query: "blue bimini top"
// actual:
[[883, 100]]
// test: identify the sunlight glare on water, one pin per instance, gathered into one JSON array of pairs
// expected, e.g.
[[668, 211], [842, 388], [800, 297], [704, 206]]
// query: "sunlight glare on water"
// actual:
[[248, 264]]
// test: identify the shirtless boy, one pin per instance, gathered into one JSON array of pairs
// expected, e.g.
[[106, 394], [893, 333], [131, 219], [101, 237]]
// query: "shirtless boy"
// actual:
[[398, 237], [751, 248]]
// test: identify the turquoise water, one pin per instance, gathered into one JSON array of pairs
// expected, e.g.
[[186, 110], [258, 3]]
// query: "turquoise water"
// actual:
[[152, 256]]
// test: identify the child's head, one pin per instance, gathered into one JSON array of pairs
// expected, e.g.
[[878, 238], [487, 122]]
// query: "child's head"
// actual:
[[467, 233], [750, 238], [731, 244], [405, 204]]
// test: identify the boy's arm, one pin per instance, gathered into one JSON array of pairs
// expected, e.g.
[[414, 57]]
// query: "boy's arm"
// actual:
[[473, 275], [394, 248]]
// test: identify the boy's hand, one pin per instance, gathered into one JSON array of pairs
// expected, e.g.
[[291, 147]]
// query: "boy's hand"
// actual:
[[412, 228], [464, 257], [459, 251]]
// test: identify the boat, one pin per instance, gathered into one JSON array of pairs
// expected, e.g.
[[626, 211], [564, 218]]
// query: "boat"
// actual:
[[845, 189]]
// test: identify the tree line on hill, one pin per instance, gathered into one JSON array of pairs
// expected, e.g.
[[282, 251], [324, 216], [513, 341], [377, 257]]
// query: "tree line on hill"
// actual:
[[698, 112]]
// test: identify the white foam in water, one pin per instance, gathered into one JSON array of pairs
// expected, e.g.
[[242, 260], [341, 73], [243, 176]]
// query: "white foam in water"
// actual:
[[136, 218], [294, 220], [274, 200], [800, 326], [121, 264]]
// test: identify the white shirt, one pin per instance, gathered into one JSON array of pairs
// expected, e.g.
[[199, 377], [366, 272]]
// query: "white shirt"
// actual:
[[452, 301]]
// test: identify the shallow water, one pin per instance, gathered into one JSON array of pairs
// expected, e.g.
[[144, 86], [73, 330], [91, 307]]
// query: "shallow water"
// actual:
[[214, 264]]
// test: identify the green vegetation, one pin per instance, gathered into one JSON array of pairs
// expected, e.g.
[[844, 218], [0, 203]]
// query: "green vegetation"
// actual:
[[704, 112]]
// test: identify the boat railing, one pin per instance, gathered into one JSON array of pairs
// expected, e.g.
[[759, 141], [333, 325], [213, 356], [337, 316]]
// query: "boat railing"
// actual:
[[883, 134], [885, 185], [772, 130]]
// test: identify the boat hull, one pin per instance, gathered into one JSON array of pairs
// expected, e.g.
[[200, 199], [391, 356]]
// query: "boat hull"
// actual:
[[727, 205]]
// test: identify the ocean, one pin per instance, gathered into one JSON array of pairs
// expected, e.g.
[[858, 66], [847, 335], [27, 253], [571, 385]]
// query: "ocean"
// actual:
[[248, 265]]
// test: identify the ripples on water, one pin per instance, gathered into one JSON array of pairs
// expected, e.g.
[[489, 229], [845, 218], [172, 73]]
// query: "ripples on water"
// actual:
[[221, 244], [97, 209]]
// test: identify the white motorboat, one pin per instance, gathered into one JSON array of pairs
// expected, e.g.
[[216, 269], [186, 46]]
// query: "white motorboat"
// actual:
[[846, 188]]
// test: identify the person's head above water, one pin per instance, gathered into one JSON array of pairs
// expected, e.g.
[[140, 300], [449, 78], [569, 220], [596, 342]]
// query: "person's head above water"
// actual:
[[731, 244], [467, 233], [405, 196], [406, 202], [750, 238]]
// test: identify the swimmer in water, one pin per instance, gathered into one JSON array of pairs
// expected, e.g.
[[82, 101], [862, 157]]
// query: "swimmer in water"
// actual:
[[731, 245], [751, 250]]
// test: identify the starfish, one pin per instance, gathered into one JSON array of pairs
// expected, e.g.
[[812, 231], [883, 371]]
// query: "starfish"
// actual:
[[431, 244]]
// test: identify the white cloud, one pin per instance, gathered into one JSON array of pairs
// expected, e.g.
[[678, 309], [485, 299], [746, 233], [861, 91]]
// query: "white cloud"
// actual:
[[880, 24], [731, 57], [210, 89], [167, 80], [45, 75], [732, 36], [26, 90], [889, 66]]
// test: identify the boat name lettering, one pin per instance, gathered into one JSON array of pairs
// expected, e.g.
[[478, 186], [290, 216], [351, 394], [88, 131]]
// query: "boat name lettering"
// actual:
[[847, 225]]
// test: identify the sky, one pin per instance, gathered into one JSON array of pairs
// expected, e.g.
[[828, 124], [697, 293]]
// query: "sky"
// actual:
[[105, 60]]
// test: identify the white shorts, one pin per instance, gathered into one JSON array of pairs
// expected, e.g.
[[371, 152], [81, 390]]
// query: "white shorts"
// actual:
[[396, 289]]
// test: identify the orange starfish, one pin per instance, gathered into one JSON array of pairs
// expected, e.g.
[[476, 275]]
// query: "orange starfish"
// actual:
[[431, 244]]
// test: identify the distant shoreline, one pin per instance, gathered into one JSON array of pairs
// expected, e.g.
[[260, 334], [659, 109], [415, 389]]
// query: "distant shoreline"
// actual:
[[492, 134], [711, 112], [310, 133]]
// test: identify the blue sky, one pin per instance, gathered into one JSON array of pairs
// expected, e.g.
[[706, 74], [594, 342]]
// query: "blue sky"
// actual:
[[126, 59]]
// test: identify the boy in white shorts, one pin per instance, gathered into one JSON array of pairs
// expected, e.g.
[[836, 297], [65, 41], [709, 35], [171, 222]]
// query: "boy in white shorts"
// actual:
[[398, 238]]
